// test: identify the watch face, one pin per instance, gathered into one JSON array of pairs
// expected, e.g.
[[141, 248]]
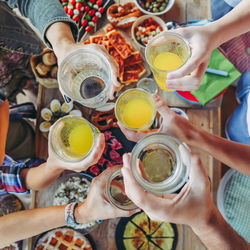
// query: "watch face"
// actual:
[[64, 238], [140, 232]]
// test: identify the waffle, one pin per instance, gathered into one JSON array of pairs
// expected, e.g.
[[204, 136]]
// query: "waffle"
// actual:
[[63, 239]]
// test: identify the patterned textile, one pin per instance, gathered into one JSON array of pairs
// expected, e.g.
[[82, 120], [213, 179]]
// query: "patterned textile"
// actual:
[[15, 71], [238, 52], [10, 175]]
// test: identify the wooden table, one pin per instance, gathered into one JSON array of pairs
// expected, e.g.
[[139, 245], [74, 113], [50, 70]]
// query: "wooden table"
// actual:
[[208, 119]]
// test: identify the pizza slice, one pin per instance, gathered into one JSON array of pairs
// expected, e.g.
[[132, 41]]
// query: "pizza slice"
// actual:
[[141, 220], [165, 230], [134, 58], [163, 243], [118, 42]]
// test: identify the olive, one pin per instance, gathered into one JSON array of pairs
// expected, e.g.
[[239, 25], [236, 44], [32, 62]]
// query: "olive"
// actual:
[[147, 5], [164, 4], [155, 5], [158, 5], [162, 8], [155, 10], [159, 1], [166, 1]]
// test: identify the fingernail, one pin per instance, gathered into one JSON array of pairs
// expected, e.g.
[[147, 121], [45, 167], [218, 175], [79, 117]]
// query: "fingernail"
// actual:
[[118, 79]]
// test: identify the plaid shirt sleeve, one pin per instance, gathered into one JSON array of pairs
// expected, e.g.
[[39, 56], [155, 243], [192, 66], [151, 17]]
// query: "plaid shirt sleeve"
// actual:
[[10, 181]]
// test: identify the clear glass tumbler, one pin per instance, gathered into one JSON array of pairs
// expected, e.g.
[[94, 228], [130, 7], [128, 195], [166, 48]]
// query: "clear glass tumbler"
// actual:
[[72, 138], [85, 77], [164, 53], [160, 163]]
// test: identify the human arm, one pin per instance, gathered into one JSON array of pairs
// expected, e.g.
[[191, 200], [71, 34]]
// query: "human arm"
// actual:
[[192, 206], [233, 154], [42, 176], [25, 224], [203, 40]]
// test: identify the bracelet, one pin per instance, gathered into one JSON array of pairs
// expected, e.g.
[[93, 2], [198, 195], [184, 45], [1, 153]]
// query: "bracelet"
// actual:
[[69, 214]]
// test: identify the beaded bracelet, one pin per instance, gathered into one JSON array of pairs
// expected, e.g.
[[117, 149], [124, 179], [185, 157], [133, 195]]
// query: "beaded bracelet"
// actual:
[[69, 214]]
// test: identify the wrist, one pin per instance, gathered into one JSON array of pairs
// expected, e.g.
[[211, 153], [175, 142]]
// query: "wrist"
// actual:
[[81, 213], [52, 167]]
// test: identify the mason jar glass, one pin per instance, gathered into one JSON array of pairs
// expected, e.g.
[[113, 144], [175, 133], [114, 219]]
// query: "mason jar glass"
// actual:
[[85, 77], [160, 163], [115, 192]]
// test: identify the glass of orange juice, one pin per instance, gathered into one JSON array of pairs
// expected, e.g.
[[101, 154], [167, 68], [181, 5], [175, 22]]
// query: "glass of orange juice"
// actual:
[[72, 138], [164, 53], [135, 109]]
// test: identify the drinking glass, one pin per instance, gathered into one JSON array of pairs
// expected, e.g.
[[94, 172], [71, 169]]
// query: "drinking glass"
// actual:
[[172, 44], [160, 163], [72, 138], [85, 77]]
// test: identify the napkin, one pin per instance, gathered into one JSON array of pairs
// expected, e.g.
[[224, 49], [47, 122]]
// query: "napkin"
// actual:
[[211, 84]]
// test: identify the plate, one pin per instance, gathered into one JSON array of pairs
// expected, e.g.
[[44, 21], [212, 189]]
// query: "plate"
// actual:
[[64, 238], [188, 97], [159, 227]]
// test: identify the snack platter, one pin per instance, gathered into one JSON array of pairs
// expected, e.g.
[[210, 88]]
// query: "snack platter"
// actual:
[[126, 53]]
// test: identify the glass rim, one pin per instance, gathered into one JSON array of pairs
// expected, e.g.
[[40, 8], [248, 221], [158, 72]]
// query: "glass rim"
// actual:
[[116, 173], [75, 52], [158, 188], [153, 116], [92, 130], [172, 34]]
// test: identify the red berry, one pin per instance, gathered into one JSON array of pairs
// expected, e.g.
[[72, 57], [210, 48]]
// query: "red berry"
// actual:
[[84, 4], [86, 8], [92, 1], [64, 1], [88, 28], [101, 9], [92, 12], [72, 2], [66, 8], [78, 6], [98, 2], [84, 22], [70, 12], [94, 19]]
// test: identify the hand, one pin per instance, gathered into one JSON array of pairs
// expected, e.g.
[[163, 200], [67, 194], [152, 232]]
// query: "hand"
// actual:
[[192, 206], [53, 162], [172, 123], [61, 54], [202, 43], [97, 206]]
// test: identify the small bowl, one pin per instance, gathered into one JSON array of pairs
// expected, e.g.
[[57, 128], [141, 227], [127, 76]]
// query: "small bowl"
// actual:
[[168, 7], [139, 21]]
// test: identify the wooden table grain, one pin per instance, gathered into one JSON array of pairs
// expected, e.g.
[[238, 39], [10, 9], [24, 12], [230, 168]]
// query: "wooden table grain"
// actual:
[[208, 119]]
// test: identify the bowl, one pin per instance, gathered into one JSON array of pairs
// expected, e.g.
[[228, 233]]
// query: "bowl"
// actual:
[[145, 20], [169, 5]]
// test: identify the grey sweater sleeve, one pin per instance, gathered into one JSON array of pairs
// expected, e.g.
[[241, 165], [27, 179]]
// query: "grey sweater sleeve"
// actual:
[[43, 13]]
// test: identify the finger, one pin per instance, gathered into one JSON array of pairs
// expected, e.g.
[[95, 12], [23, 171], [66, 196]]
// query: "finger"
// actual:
[[126, 160], [161, 106], [186, 83], [198, 175], [187, 68]]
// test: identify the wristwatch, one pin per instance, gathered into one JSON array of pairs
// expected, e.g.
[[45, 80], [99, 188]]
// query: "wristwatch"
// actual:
[[69, 214]]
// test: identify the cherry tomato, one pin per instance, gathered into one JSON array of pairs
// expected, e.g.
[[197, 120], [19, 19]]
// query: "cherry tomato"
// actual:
[[92, 1], [92, 12], [70, 12], [84, 22], [66, 8], [99, 2], [78, 6], [94, 19], [101, 9], [88, 28], [86, 8], [75, 18], [72, 2]]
